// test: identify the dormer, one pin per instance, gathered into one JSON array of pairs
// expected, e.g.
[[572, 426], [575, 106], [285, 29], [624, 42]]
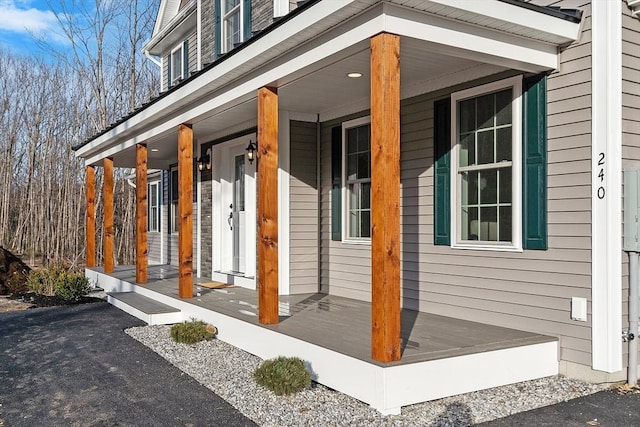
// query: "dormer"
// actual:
[[174, 40], [189, 34]]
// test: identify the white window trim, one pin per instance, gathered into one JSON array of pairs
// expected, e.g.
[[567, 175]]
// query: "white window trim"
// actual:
[[223, 17], [158, 203], [345, 196], [172, 79], [170, 205], [516, 190]]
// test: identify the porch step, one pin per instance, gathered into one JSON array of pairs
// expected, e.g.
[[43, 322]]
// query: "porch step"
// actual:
[[145, 308]]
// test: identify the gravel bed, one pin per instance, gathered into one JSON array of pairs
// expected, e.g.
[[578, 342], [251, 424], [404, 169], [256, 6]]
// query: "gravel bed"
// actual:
[[227, 371]]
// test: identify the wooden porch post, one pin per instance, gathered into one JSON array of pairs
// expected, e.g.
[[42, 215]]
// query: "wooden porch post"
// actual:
[[108, 216], [268, 206], [385, 197], [185, 211], [90, 227], [141, 213]]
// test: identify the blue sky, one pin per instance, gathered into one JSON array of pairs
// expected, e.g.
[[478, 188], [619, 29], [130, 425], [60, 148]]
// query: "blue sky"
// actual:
[[21, 20]]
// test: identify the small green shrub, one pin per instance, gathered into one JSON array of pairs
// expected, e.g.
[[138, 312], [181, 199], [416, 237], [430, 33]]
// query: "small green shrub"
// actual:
[[283, 375], [192, 332], [59, 280], [43, 280], [71, 286]]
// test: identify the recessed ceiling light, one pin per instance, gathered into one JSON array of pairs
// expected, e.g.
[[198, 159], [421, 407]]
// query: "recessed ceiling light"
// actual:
[[354, 75], [154, 149]]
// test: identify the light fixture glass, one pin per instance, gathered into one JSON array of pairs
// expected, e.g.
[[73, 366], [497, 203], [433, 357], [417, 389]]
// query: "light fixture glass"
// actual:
[[354, 75], [251, 152], [204, 162]]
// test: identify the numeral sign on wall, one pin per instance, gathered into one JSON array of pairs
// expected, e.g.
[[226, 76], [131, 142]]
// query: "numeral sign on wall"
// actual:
[[601, 164]]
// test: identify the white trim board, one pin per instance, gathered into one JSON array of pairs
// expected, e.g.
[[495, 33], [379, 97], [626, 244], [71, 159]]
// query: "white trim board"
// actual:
[[606, 186], [284, 160]]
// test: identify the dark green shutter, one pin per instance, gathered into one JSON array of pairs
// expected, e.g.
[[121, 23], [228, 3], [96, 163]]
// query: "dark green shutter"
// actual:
[[185, 59], [246, 18], [336, 183], [534, 163], [169, 71], [217, 39], [442, 177]]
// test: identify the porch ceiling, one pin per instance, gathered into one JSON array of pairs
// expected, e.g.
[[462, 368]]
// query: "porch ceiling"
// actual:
[[308, 64], [327, 92]]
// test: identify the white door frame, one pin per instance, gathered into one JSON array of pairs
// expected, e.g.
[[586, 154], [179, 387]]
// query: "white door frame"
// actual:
[[223, 172]]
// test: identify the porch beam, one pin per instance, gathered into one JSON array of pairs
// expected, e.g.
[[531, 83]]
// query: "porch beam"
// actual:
[[185, 211], [268, 206], [90, 224], [385, 197], [141, 214], [109, 234]]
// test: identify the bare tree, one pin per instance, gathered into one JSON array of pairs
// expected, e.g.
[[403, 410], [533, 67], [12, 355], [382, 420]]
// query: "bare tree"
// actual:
[[46, 107]]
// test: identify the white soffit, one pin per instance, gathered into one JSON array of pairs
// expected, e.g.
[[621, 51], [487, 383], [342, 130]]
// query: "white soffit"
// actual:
[[327, 32]]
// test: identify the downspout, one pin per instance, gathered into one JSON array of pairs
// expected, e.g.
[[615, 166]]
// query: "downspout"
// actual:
[[319, 201], [152, 59]]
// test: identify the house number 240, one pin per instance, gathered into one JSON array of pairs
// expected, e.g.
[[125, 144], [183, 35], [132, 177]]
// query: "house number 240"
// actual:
[[601, 191]]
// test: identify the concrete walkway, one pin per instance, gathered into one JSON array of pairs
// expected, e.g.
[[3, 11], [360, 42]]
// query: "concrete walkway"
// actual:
[[75, 366]]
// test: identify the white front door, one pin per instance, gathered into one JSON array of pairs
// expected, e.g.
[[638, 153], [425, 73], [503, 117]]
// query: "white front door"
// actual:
[[236, 212], [237, 218]]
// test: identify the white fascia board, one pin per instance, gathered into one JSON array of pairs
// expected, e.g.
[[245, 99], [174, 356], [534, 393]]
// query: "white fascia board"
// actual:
[[480, 44], [518, 15], [158, 24], [606, 186]]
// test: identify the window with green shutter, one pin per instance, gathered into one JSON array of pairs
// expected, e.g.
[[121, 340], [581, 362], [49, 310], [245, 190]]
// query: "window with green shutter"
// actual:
[[490, 178]]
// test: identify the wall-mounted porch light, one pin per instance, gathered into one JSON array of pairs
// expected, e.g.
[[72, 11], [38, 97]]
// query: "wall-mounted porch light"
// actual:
[[251, 151], [204, 162]]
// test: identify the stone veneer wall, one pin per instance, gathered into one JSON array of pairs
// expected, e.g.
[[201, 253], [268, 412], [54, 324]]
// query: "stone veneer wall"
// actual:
[[208, 32], [206, 232], [261, 14]]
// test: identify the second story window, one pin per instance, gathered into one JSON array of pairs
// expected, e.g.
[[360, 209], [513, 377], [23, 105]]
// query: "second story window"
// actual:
[[231, 24], [178, 63]]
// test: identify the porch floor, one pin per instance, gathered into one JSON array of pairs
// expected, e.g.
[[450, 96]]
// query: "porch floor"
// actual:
[[342, 324]]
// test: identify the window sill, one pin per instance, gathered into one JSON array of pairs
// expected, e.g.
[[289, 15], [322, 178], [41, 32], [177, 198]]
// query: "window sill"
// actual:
[[487, 247], [366, 242]]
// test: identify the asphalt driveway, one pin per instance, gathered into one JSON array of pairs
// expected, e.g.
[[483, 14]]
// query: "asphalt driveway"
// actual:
[[75, 366]]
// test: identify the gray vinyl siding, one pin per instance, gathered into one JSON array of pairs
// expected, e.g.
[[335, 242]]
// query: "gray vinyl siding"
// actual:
[[303, 209], [193, 53], [154, 238], [630, 128], [154, 242], [529, 290]]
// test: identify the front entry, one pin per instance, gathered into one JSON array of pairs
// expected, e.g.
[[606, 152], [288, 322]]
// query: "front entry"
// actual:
[[237, 219], [234, 208]]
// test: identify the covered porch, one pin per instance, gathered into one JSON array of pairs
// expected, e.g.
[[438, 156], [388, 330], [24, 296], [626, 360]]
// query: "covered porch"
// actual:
[[441, 356], [324, 64]]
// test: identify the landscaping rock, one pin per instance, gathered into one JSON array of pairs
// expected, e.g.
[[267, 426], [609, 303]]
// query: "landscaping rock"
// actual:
[[13, 273]]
